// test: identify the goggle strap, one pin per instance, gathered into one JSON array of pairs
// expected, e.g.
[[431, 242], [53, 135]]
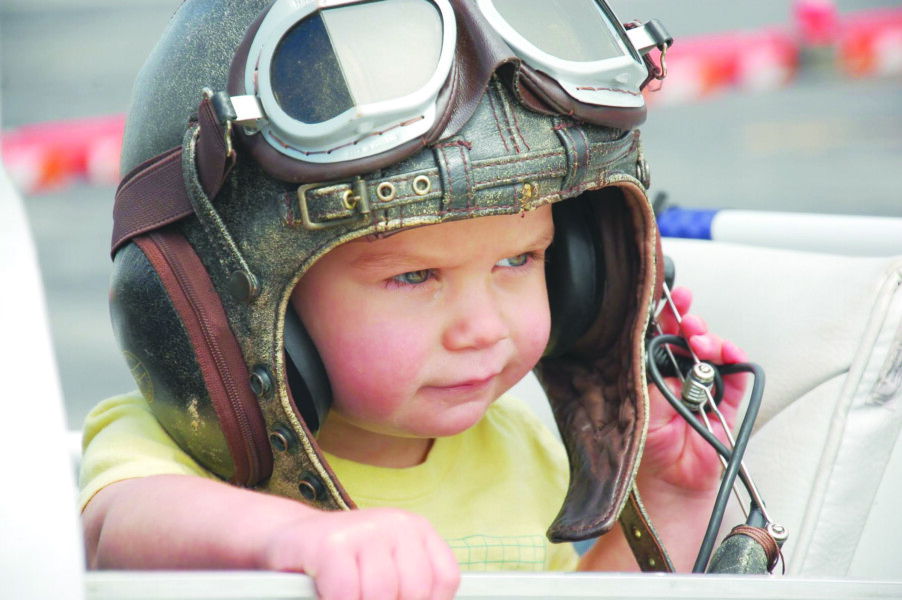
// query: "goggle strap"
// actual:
[[154, 194], [215, 155], [150, 196]]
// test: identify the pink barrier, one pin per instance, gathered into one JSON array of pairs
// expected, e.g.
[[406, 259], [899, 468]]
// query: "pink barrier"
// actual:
[[871, 43], [748, 60], [48, 156], [860, 44]]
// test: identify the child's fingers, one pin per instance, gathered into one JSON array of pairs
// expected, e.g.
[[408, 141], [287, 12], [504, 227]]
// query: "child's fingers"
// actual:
[[682, 298], [693, 325], [380, 575], [414, 571], [733, 353], [377, 553], [715, 349], [723, 352], [707, 347], [445, 570], [339, 578]]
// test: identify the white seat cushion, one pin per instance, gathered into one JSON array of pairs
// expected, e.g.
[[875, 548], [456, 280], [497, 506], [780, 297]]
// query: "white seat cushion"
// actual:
[[828, 331]]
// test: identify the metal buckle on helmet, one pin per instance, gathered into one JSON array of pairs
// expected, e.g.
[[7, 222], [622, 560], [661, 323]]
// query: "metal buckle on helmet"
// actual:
[[356, 198]]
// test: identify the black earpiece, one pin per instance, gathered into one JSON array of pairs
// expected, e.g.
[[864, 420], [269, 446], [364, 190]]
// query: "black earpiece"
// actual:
[[307, 378], [574, 273]]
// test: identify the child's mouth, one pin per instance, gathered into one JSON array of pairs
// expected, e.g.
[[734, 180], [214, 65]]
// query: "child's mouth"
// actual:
[[467, 386]]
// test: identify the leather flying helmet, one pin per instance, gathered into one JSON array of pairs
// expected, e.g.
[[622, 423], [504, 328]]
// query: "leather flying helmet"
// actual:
[[256, 142]]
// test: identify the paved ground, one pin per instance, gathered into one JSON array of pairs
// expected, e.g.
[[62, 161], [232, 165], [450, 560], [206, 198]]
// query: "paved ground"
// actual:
[[823, 145]]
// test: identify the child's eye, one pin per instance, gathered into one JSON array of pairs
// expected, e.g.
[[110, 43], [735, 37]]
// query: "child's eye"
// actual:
[[413, 277], [514, 261]]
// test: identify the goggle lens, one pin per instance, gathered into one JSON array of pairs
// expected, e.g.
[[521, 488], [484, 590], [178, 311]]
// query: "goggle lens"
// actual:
[[307, 81], [570, 30], [356, 55]]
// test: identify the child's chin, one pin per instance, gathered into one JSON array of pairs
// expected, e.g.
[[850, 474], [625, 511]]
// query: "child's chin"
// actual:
[[458, 420]]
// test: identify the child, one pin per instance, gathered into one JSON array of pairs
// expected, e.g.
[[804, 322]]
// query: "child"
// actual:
[[436, 270]]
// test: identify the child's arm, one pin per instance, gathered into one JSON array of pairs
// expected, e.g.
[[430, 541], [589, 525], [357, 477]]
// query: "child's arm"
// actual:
[[178, 521], [680, 473]]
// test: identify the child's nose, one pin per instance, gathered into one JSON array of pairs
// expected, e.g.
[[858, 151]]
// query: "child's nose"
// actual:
[[477, 321]]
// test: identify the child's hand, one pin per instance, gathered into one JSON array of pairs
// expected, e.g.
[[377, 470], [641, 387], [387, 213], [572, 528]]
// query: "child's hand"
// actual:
[[186, 522], [680, 471], [371, 553], [675, 454]]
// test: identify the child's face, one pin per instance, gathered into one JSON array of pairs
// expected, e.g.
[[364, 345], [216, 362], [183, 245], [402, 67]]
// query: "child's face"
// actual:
[[421, 331]]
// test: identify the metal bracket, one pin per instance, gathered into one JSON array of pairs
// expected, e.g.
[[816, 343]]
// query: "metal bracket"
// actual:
[[649, 35]]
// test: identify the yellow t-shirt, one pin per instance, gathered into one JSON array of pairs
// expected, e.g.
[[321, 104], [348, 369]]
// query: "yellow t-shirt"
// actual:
[[490, 491]]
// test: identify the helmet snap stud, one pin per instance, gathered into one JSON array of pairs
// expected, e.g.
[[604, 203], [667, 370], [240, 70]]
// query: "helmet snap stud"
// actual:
[[261, 382], [243, 286], [311, 487]]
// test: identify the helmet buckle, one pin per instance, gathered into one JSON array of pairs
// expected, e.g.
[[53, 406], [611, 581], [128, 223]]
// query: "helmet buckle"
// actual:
[[354, 198]]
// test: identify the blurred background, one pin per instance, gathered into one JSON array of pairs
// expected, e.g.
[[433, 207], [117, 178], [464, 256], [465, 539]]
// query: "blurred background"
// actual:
[[763, 109]]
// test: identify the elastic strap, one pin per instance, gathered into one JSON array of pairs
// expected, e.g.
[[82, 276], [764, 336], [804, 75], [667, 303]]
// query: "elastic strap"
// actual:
[[153, 194]]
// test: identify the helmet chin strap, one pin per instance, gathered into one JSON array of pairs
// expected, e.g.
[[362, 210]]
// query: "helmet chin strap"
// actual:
[[307, 379], [243, 284]]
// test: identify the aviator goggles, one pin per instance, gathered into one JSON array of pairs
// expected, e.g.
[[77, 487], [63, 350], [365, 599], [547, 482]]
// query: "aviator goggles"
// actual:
[[323, 89], [327, 90]]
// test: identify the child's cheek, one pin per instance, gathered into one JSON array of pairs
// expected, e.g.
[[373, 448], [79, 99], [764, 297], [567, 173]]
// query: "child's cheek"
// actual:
[[372, 378], [535, 327]]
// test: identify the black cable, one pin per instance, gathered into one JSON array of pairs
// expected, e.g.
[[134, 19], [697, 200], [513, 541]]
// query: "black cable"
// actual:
[[733, 467], [734, 457], [677, 403], [718, 385], [684, 363]]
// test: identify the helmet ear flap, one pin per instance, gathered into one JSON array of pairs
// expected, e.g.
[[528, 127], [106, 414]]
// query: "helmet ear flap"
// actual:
[[174, 332], [574, 274]]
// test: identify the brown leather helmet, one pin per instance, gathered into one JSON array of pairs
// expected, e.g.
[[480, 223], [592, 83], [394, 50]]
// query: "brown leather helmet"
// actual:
[[214, 227]]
